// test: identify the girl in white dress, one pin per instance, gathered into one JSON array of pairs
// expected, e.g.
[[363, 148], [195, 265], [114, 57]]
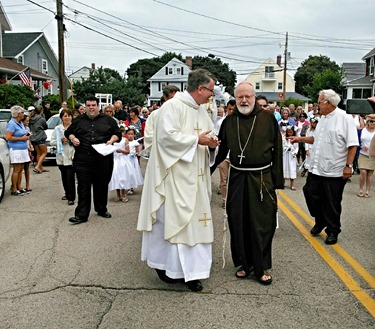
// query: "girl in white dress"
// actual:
[[136, 177], [122, 170], [308, 147], [290, 156]]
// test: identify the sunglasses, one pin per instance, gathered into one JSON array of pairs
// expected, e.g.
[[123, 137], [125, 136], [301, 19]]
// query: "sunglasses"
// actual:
[[264, 106], [371, 121]]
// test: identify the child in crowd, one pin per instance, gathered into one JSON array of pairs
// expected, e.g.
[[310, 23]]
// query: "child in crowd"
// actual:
[[26, 168], [310, 132], [136, 178], [122, 169], [290, 156]]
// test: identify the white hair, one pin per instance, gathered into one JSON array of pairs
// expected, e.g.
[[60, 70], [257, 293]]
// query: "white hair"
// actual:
[[243, 83], [14, 110], [331, 96]]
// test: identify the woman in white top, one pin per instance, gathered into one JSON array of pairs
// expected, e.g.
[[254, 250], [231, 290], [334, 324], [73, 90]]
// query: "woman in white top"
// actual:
[[64, 156], [365, 165]]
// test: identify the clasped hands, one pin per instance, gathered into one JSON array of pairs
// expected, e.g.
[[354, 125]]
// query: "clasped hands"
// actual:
[[206, 139]]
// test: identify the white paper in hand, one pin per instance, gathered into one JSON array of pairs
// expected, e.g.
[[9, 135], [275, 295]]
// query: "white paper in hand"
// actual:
[[104, 149]]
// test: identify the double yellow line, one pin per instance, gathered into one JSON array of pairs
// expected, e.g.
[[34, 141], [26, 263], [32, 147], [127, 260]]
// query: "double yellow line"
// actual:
[[367, 301]]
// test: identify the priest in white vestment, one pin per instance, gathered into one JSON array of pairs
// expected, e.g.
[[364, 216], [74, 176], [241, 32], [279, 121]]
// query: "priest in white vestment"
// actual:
[[175, 213]]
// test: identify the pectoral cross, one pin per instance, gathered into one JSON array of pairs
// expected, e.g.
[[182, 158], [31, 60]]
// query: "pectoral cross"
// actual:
[[201, 174], [241, 156], [197, 129], [204, 219]]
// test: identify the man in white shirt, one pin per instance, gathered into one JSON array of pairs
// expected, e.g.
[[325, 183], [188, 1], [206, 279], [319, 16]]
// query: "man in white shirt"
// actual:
[[334, 146]]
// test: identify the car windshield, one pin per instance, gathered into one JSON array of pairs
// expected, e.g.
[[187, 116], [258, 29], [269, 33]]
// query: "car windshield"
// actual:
[[5, 115], [53, 122]]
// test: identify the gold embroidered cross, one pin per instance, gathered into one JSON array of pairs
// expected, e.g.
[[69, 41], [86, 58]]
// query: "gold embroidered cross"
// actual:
[[204, 219], [201, 174], [197, 129]]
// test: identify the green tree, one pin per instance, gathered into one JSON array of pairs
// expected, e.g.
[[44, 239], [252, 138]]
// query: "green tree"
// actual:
[[222, 72], [305, 73], [102, 80], [328, 79], [16, 94]]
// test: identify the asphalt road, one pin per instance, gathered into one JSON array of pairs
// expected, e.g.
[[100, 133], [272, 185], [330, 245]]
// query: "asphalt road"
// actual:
[[56, 275]]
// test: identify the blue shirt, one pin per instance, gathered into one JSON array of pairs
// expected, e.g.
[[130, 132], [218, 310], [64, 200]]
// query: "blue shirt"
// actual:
[[18, 130]]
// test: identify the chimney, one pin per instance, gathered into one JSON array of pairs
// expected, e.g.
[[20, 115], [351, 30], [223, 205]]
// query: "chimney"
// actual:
[[278, 60], [93, 66], [189, 62]]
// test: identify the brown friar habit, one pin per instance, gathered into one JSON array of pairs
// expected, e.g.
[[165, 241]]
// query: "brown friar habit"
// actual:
[[251, 200]]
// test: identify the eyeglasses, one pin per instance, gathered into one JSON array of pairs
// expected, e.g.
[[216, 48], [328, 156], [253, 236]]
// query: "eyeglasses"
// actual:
[[322, 102], [211, 90], [246, 97]]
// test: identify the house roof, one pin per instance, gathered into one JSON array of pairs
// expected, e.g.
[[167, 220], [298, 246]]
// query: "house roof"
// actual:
[[82, 68], [10, 67], [14, 44], [161, 76], [4, 22], [353, 71], [274, 96], [367, 80], [368, 55]]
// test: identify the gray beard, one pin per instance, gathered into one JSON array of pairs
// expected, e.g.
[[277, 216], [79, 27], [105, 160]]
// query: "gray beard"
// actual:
[[245, 110]]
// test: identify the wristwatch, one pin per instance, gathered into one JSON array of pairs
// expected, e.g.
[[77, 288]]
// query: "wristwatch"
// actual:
[[349, 166]]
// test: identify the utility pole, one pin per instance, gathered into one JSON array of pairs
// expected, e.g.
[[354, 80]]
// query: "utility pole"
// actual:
[[60, 36], [285, 60]]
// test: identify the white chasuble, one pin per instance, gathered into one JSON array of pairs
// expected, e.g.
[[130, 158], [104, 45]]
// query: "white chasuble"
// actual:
[[180, 184]]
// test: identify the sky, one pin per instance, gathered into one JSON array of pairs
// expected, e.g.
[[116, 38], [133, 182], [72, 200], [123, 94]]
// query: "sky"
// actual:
[[242, 33]]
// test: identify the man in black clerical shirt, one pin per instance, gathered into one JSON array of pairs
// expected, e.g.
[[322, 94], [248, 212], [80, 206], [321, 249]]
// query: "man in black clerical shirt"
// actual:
[[92, 168]]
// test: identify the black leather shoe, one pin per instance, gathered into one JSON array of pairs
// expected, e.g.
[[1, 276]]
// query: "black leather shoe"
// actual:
[[105, 214], [195, 285], [316, 230], [164, 277], [76, 220], [331, 238]]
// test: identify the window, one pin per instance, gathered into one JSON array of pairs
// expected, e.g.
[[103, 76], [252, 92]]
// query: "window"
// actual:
[[372, 66], [280, 85], [20, 60], [170, 70], [44, 66], [269, 74], [178, 70], [257, 85], [161, 85], [361, 93]]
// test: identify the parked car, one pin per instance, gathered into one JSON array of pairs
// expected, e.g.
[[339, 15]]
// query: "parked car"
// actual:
[[4, 166], [4, 118], [52, 122]]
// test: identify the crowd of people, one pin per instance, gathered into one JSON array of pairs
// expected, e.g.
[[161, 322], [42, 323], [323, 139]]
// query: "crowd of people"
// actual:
[[256, 145]]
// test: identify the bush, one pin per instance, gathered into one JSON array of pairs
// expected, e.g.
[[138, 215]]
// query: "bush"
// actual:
[[16, 94]]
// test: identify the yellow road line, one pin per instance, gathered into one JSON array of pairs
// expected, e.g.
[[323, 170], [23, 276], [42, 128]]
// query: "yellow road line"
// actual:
[[346, 278], [338, 249]]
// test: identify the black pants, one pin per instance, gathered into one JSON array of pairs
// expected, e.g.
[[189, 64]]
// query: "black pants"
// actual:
[[68, 181], [96, 174], [323, 198]]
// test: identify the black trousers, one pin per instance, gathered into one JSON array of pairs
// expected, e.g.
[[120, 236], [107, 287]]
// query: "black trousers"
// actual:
[[323, 198], [96, 174], [68, 181]]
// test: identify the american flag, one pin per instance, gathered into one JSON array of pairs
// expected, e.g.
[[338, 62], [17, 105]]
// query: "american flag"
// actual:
[[26, 78]]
